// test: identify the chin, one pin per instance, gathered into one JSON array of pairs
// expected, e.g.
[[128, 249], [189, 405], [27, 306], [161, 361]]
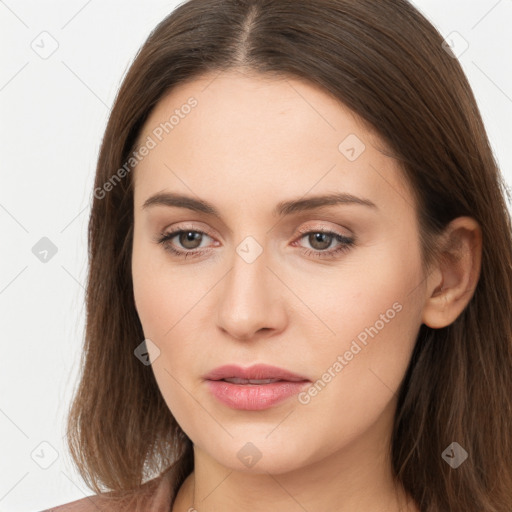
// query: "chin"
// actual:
[[255, 454]]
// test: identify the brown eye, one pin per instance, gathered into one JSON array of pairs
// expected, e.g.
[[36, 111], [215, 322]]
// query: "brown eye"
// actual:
[[187, 243], [189, 239], [320, 241]]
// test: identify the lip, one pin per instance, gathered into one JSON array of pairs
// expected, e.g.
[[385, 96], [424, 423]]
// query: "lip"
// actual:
[[254, 397], [257, 372]]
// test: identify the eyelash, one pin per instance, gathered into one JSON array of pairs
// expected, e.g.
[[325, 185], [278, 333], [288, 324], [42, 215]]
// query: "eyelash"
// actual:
[[346, 243]]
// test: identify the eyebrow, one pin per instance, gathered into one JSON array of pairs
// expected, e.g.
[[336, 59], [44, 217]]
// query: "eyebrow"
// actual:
[[282, 209]]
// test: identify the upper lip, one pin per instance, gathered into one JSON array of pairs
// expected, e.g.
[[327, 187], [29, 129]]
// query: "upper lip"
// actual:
[[255, 372]]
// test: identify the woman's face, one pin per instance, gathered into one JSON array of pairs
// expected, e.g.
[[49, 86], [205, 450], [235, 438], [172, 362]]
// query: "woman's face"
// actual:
[[258, 281]]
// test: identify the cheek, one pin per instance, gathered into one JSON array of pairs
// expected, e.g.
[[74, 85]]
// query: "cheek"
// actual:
[[152, 291], [375, 314], [359, 373], [167, 312], [162, 312], [149, 304]]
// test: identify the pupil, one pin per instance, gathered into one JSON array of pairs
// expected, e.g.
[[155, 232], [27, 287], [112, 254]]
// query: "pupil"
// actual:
[[317, 237], [189, 236]]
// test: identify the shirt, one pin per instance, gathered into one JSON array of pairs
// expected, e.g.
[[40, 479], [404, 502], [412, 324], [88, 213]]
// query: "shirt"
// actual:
[[155, 496]]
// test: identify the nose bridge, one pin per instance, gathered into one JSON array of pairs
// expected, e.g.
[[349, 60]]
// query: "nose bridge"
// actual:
[[247, 303], [248, 277]]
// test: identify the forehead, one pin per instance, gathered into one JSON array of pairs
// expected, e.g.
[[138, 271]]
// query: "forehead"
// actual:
[[256, 135], [232, 105]]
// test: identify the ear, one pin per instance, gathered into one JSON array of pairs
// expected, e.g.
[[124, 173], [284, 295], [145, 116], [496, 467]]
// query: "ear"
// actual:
[[453, 277]]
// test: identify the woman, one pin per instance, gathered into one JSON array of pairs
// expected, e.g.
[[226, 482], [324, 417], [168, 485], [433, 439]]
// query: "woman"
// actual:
[[300, 271]]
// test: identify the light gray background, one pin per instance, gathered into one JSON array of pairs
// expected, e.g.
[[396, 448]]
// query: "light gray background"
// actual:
[[54, 111]]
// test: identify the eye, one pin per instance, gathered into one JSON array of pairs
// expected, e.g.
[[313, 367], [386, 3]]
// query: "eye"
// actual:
[[189, 239], [320, 239]]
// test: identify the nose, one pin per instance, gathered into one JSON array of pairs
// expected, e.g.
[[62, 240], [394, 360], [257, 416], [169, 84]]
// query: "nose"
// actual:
[[251, 299]]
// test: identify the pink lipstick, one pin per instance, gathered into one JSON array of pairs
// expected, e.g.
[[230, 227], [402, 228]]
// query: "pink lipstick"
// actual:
[[254, 388]]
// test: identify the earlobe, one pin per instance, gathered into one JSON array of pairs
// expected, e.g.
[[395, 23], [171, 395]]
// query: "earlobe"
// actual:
[[453, 280]]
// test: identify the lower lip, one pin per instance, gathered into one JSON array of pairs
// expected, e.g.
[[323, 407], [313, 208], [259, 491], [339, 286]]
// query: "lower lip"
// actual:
[[254, 397]]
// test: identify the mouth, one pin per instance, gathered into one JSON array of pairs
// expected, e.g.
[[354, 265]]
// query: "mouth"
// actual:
[[256, 374], [235, 380], [255, 388]]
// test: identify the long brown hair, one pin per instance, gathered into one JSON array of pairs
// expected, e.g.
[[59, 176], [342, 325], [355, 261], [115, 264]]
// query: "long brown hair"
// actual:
[[387, 63]]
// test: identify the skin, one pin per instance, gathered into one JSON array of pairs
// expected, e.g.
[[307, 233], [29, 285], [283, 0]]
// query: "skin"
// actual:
[[251, 142]]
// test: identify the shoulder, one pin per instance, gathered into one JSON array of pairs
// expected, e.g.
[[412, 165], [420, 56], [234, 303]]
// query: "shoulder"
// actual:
[[154, 496], [88, 504]]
